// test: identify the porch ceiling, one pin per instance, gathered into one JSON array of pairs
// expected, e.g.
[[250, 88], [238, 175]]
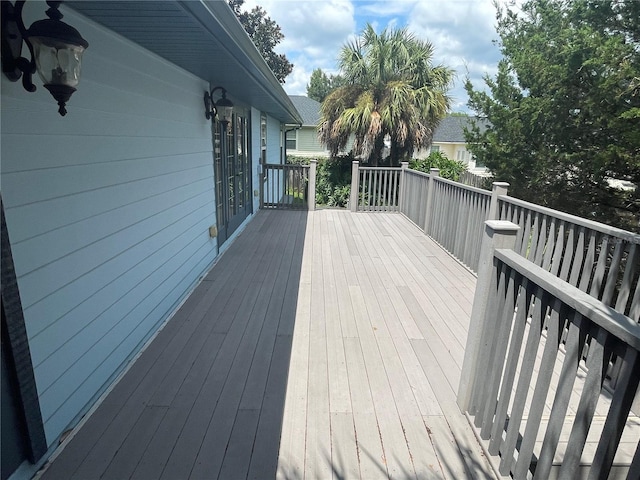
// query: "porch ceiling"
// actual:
[[203, 37]]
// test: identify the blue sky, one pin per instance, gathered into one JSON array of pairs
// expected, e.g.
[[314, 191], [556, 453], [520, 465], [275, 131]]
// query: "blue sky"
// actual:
[[462, 32]]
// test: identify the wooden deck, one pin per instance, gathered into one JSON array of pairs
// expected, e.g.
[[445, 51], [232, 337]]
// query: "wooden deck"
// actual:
[[322, 345]]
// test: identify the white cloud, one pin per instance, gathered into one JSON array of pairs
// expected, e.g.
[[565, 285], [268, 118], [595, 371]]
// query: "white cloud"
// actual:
[[385, 8], [462, 32], [315, 30]]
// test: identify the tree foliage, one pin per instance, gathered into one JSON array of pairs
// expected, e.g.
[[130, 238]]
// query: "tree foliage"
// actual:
[[450, 169], [266, 34], [564, 107], [320, 84], [391, 90]]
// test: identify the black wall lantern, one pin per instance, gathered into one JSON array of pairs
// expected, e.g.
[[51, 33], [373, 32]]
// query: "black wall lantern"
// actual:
[[223, 108], [55, 48]]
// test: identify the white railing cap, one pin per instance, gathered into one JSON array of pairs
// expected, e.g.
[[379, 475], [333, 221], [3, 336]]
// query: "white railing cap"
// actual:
[[502, 225]]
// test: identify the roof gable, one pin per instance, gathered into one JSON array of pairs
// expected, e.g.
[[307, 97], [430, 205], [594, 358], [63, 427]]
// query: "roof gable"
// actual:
[[309, 109], [451, 128]]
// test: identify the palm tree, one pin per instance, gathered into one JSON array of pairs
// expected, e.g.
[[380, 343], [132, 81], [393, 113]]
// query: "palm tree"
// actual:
[[392, 91]]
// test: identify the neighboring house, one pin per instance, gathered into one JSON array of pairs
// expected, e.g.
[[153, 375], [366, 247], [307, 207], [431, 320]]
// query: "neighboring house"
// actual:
[[302, 139], [115, 211], [449, 139]]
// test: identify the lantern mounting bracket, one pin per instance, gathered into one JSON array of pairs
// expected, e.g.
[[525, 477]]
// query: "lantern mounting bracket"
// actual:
[[14, 65], [223, 106]]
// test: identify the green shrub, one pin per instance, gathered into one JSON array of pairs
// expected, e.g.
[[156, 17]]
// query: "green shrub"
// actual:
[[450, 169], [333, 181], [333, 178], [294, 160]]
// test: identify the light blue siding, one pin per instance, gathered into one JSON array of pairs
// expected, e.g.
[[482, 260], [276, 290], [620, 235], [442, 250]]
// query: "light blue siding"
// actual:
[[274, 140], [108, 211]]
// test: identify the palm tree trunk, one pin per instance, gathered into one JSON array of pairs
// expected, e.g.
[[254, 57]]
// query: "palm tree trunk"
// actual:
[[376, 155]]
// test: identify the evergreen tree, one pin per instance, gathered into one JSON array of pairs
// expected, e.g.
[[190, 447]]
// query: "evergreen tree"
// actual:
[[265, 34], [321, 84], [564, 107]]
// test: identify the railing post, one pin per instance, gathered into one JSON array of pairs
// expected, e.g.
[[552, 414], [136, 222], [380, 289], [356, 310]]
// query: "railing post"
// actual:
[[311, 193], [262, 176], [499, 188], [497, 234], [355, 180], [403, 176], [433, 173]]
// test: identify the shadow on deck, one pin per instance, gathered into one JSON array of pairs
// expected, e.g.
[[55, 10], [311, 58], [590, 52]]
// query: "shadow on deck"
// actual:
[[364, 386]]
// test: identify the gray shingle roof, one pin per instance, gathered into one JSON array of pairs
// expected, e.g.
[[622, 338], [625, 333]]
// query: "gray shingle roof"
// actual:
[[451, 128], [308, 108]]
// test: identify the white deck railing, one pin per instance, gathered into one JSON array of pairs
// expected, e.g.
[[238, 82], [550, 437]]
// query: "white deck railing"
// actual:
[[374, 189]]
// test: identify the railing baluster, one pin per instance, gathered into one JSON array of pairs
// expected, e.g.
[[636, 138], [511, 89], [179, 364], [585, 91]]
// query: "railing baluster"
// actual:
[[498, 350], [587, 406], [515, 347], [525, 452], [612, 275], [522, 388], [533, 240], [574, 346], [616, 418], [369, 175], [540, 239], [598, 277], [550, 244], [558, 249], [585, 271]]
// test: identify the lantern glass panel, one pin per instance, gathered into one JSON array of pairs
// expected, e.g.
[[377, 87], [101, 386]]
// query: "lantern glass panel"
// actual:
[[58, 63]]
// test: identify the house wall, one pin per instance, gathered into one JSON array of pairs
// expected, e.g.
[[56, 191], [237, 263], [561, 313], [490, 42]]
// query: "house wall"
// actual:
[[308, 144], [274, 140], [308, 141], [108, 212], [449, 149]]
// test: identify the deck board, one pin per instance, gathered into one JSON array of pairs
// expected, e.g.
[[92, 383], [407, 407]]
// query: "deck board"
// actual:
[[321, 345]]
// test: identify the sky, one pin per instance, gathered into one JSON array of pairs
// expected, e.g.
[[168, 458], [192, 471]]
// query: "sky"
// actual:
[[461, 31]]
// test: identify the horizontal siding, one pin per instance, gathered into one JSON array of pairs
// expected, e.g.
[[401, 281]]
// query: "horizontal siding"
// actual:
[[308, 140], [108, 211]]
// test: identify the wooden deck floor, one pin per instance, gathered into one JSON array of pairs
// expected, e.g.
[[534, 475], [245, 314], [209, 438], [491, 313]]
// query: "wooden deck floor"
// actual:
[[322, 345]]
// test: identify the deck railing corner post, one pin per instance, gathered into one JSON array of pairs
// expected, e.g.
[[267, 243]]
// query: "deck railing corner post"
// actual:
[[355, 181], [433, 173], [403, 177], [498, 188], [498, 234], [311, 200]]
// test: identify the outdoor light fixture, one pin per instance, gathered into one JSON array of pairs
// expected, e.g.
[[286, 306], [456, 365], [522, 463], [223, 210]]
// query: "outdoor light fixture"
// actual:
[[55, 48], [223, 108]]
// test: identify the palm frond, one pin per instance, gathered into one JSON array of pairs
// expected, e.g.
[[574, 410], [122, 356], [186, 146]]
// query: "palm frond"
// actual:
[[392, 90]]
